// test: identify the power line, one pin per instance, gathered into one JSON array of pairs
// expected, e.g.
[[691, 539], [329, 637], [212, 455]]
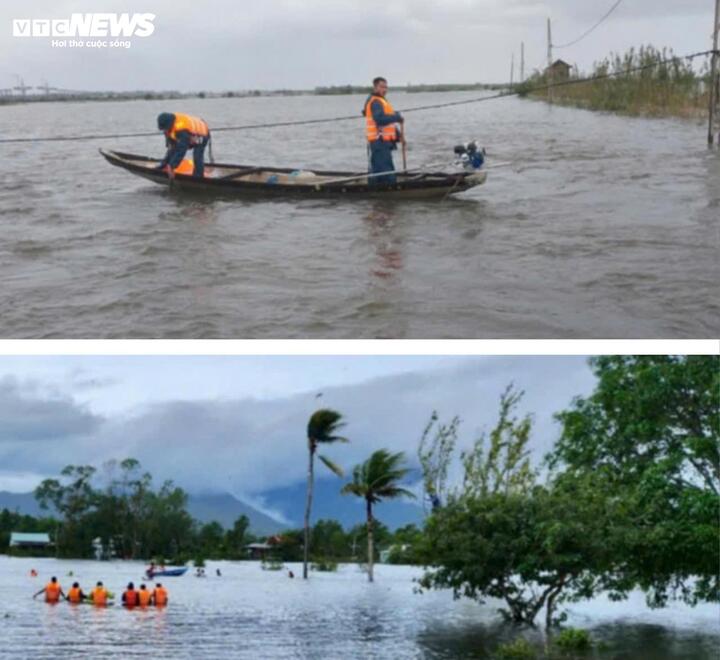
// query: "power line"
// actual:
[[418, 108], [585, 34]]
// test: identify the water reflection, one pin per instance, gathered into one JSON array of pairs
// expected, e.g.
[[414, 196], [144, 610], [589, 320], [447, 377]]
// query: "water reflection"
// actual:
[[385, 239]]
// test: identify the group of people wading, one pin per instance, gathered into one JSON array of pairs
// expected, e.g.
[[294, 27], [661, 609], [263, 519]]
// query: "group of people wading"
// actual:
[[101, 597], [184, 132]]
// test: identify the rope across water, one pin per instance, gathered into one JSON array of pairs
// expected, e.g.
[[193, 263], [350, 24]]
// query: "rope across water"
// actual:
[[306, 122]]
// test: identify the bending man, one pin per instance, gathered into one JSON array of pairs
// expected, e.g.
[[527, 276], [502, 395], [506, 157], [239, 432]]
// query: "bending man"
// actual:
[[183, 132]]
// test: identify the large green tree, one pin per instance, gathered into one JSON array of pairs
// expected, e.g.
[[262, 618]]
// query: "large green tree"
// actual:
[[322, 428], [649, 430], [74, 498], [502, 535], [375, 480]]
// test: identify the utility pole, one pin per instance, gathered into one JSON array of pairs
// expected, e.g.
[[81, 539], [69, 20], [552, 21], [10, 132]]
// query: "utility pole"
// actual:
[[550, 75], [522, 61], [714, 91], [512, 69]]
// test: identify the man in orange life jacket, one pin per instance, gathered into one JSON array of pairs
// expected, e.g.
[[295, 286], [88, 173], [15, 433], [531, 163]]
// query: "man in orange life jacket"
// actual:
[[381, 132], [183, 132], [99, 595], [130, 596], [75, 595], [160, 596], [52, 590]]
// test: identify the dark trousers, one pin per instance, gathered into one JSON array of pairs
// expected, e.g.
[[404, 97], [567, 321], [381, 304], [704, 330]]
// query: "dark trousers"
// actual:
[[381, 161], [199, 157]]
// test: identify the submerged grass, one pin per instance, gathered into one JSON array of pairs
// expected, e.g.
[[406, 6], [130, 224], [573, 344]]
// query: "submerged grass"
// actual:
[[665, 89]]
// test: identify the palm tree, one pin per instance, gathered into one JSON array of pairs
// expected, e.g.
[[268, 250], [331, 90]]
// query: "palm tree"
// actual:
[[375, 480], [322, 428]]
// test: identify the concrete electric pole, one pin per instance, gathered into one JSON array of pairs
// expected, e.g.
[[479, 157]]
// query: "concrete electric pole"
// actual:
[[550, 76], [714, 92]]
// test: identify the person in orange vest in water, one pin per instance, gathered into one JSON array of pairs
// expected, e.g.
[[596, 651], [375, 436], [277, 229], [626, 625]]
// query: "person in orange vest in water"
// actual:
[[183, 132], [160, 596], [381, 132], [75, 594], [144, 596], [99, 595], [52, 590], [130, 596]]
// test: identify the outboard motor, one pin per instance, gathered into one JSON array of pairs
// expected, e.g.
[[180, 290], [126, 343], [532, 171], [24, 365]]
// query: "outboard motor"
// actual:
[[470, 156]]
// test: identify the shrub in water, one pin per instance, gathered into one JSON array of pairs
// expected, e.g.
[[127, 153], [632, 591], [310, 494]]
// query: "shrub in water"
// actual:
[[327, 565], [573, 639], [520, 649]]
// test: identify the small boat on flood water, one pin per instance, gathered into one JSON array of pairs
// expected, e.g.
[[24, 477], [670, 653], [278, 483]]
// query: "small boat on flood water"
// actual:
[[248, 180]]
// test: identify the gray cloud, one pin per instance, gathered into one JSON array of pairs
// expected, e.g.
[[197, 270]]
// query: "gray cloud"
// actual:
[[248, 446], [29, 415], [287, 43]]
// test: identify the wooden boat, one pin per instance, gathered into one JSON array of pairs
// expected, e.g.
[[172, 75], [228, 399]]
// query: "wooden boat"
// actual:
[[250, 180]]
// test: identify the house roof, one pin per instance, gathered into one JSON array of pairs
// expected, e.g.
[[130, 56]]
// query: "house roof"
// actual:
[[16, 538], [560, 63]]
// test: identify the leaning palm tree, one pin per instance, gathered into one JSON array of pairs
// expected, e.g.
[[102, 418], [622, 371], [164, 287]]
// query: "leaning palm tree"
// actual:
[[375, 480], [322, 428]]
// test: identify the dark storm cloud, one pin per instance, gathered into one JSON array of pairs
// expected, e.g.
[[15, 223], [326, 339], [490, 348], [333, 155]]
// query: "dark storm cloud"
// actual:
[[30, 415], [248, 446]]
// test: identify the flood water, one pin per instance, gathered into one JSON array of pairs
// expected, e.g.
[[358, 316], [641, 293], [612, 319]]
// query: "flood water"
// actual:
[[603, 227], [251, 613]]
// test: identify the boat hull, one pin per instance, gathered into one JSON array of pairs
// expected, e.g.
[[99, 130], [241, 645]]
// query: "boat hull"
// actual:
[[251, 181]]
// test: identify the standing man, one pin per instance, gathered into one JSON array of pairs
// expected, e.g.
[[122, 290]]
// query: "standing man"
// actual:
[[183, 132], [381, 132]]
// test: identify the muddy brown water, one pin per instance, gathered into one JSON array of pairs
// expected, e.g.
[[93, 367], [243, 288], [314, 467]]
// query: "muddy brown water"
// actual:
[[604, 227]]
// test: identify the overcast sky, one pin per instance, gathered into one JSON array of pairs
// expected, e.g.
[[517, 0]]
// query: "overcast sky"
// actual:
[[242, 44], [238, 423]]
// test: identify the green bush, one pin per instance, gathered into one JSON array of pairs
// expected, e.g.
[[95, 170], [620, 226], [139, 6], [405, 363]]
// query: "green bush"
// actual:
[[520, 649], [271, 564], [324, 565], [573, 639]]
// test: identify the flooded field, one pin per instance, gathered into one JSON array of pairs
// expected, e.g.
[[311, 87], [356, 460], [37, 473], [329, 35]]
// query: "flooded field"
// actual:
[[251, 613], [604, 227]]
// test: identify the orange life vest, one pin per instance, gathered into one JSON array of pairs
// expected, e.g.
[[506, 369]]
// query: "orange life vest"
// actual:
[[99, 596], [387, 133], [144, 597], [197, 128], [160, 596], [52, 592], [131, 598], [74, 595]]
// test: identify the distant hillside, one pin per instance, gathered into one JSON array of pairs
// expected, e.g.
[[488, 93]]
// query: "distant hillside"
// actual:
[[225, 509], [348, 510]]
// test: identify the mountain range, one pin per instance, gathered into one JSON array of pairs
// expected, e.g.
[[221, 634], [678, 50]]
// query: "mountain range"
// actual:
[[288, 502]]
